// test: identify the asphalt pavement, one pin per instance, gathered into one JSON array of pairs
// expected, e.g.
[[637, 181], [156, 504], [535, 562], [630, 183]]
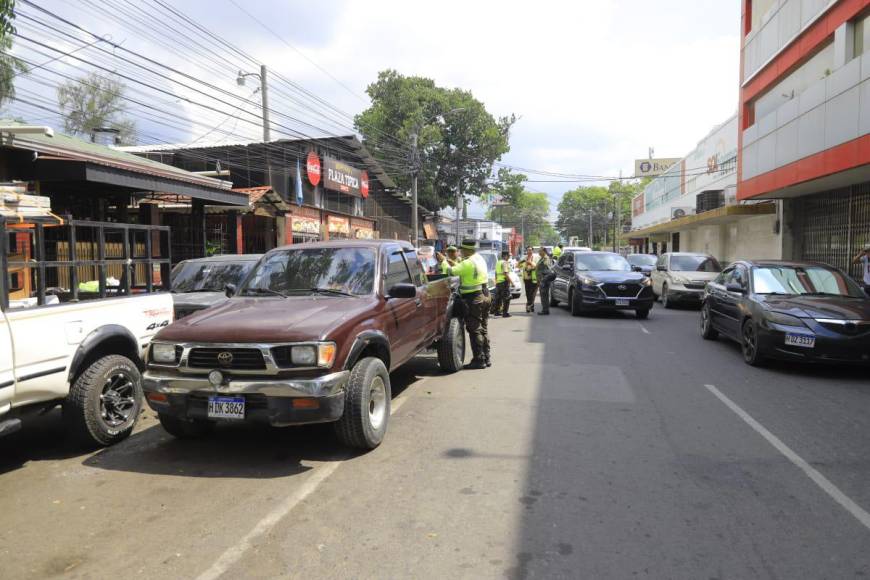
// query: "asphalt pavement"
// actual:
[[595, 447]]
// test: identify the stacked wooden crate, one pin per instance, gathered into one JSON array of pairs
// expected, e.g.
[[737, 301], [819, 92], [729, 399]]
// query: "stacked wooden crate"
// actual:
[[15, 202]]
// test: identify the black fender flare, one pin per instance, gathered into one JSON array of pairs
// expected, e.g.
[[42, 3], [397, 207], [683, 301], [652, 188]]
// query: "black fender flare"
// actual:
[[364, 340], [98, 337]]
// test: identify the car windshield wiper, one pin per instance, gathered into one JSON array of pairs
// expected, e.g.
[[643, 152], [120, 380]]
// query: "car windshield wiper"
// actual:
[[331, 291], [827, 294], [255, 291]]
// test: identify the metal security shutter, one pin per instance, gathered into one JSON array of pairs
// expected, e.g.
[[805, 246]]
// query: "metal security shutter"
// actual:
[[832, 227]]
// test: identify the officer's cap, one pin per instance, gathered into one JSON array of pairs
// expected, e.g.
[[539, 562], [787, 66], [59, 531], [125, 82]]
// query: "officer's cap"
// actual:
[[469, 244]]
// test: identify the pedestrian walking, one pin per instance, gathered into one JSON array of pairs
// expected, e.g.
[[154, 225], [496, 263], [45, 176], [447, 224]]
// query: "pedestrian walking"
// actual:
[[473, 277], [863, 258], [530, 278], [544, 270], [503, 286]]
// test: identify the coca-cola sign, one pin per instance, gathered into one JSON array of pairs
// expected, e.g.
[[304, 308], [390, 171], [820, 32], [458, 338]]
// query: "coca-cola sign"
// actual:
[[312, 166]]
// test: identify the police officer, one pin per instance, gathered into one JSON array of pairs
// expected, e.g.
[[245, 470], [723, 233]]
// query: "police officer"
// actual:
[[473, 277], [544, 270], [503, 286], [557, 251], [451, 260]]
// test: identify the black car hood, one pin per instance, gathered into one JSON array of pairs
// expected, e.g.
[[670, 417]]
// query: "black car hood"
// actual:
[[819, 306], [608, 276]]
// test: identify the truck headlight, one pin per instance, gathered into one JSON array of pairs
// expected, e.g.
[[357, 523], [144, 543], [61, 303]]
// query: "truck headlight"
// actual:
[[310, 355], [163, 353]]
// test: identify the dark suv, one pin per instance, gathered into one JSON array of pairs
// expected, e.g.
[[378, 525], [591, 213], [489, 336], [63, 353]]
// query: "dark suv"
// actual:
[[591, 281]]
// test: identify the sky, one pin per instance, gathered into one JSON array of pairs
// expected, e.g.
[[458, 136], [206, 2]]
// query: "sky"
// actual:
[[594, 83]]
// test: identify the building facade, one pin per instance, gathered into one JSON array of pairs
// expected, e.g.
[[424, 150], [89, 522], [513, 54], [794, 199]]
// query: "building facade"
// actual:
[[693, 206], [804, 117]]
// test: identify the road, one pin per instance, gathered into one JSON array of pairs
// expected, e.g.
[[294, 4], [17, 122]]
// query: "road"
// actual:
[[596, 447]]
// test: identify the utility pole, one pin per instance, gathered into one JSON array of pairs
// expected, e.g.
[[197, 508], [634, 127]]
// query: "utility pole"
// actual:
[[264, 94], [414, 208], [458, 214], [589, 213]]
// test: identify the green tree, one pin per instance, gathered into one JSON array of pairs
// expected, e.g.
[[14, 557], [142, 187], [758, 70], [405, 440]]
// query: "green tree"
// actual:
[[458, 140], [92, 102], [593, 213], [527, 212], [9, 65]]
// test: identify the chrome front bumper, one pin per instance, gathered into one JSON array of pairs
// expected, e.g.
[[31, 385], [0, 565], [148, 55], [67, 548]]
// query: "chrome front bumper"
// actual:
[[159, 381]]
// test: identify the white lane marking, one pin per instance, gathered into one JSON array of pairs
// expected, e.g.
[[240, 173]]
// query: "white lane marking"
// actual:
[[319, 474], [644, 329], [823, 482]]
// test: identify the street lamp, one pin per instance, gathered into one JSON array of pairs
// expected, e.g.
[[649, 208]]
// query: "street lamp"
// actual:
[[240, 80], [415, 161]]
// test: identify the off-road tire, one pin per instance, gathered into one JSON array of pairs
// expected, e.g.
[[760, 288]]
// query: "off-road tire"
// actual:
[[185, 428], [642, 313], [707, 330], [355, 428], [451, 347], [82, 410]]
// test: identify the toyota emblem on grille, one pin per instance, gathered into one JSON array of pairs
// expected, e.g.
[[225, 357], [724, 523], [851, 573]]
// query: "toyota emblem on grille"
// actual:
[[622, 287], [225, 358]]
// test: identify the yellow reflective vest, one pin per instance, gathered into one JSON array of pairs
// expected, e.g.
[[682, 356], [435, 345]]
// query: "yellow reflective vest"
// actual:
[[502, 267], [472, 274]]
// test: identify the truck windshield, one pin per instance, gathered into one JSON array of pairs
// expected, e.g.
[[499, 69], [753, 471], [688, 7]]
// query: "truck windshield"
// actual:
[[209, 276], [314, 270]]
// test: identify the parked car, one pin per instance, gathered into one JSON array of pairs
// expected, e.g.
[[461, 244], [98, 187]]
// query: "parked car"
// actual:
[[203, 282], [593, 281], [645, 263], [73, 335], [311, 337], [788, 310], [577, 249], [682, 276]]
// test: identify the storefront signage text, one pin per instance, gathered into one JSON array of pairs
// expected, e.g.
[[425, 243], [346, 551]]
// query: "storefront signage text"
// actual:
[[344, 178]]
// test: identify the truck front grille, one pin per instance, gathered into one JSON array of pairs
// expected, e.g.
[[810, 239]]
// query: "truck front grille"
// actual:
[[243, 359]]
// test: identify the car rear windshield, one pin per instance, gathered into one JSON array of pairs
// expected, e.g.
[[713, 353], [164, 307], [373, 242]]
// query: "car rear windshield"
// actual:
[[209, 276], [642, 260], [601, 262], [695, 264], [804, 280], [340, 270]]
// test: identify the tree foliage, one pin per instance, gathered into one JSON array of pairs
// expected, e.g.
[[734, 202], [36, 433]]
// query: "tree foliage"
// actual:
[[458, 140], [599, 207], [9, 65], [527, 212], [92, 102]]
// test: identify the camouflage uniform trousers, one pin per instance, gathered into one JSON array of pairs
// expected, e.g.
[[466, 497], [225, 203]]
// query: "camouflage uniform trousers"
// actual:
[[477, 307]]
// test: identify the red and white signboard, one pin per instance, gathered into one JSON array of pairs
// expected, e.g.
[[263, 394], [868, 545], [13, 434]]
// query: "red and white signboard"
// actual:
[[312, 166], [364, 184]]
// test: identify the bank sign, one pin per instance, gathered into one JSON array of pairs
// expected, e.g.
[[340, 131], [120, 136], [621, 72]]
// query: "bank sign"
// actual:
[[652, 167], [342, 177]]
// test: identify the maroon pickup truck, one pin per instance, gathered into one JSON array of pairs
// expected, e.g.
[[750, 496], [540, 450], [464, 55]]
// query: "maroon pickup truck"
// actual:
[[310, 336]]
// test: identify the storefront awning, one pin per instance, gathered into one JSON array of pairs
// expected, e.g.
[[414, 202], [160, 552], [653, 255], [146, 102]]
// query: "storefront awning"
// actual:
[[720, 215]]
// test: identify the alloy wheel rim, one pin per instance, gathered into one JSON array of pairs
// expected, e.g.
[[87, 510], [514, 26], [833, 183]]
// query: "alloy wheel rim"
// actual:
[[748, 341], [117, 401], [377, 403]]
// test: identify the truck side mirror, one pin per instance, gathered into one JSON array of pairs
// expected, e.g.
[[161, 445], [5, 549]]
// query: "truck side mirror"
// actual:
[[402, 290], [230, 290]]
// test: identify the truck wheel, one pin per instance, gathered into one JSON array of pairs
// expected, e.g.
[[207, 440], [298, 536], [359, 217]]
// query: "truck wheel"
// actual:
[[366, 405], [575, 304], [451, 347], [184, 428], [104, 401]]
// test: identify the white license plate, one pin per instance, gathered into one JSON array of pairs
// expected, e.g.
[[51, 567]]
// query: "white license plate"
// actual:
[[623, 301], [226, 408], [802, 340]]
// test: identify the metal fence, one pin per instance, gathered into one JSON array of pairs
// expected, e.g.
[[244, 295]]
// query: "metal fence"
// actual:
[[834, 226]]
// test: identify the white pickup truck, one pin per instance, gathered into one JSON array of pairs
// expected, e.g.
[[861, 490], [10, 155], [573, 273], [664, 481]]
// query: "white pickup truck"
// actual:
[[80, 303]]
